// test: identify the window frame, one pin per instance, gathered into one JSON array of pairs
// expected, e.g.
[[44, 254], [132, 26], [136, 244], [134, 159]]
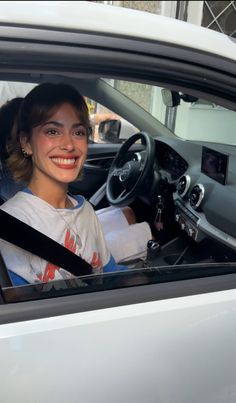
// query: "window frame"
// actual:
[[93, 56], [38, 309]]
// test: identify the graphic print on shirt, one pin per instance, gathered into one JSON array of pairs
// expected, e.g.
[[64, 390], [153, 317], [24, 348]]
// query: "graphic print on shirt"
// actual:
[[96, 261], [72, 243]]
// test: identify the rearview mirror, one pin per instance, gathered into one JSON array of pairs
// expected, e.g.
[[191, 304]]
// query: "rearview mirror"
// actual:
[[172, 98]]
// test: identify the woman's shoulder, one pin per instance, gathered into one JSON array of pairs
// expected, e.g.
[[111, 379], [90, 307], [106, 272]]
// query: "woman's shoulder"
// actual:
[[16, 206], [14, 201], [22, 203]]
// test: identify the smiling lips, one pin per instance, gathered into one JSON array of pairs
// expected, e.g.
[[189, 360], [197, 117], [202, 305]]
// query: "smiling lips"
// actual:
[[65, 163]]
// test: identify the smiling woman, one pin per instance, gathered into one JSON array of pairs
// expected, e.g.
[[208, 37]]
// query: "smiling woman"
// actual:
[[58, 148], [43, 125], [48, 150]]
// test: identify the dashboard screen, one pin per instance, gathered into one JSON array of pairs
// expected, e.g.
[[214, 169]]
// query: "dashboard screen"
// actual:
[[214, 164]]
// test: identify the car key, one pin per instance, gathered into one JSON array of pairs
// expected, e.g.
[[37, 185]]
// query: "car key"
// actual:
[[158, 219]]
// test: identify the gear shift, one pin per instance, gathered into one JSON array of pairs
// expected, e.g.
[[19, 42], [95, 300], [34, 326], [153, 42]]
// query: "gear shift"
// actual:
[[153, 250]]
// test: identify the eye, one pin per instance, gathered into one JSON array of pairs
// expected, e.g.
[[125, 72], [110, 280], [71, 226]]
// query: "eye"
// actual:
[[52, 132], [80, 132]]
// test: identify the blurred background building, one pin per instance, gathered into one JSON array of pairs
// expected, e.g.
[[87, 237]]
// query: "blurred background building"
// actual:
[[217, 15]]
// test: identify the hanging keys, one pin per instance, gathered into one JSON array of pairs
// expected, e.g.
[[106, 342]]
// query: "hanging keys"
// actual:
[[158, 222], [158, 219]]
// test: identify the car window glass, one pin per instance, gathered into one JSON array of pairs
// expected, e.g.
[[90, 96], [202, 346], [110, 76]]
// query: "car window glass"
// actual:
[[192, 119], [10, 90], [114, 128], [202, 120], [148, 97], [108, 126], [197, 120]]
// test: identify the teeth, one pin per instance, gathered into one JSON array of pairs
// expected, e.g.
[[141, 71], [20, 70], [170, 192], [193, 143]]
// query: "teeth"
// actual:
[[64, 161]]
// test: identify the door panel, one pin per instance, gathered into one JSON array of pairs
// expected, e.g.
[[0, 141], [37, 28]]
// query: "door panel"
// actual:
[[174, 350]]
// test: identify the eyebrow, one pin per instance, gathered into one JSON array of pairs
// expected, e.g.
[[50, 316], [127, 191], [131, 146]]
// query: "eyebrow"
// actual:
[[59, 124]]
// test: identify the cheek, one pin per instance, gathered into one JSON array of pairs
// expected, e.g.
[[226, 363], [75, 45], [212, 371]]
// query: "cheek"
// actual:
[[84, 150], [86, 147], [41, 144], [82, 145]]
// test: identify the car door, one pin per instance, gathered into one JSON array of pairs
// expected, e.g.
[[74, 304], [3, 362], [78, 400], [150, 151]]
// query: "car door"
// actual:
[[153, 342], [155, 334]]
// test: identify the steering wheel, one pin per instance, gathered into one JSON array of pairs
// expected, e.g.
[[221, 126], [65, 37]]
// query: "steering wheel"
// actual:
[[126, 178]]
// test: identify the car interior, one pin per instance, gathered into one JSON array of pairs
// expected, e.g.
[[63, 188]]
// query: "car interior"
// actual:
[[174, 171]]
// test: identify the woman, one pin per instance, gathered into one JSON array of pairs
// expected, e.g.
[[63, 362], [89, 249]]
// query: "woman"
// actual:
[[125, 240], [48, 150]]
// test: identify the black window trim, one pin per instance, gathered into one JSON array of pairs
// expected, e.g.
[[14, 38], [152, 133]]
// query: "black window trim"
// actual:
[[103, 54], [65, 305]]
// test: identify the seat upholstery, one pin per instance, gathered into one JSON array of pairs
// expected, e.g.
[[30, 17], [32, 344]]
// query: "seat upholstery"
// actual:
[[8, 187]]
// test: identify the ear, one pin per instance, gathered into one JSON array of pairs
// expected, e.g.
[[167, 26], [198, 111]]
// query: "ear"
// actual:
[[25, 144]]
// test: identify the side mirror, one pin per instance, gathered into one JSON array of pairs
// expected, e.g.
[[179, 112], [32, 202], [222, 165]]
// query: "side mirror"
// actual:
[[109, 130]]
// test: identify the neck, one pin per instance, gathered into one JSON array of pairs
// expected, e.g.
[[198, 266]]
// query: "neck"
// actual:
[[53, 193]]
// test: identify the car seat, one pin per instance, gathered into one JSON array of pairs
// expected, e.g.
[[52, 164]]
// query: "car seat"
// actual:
[[8, 187]]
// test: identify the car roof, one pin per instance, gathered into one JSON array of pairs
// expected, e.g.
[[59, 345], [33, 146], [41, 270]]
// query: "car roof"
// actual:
[[97, 18]]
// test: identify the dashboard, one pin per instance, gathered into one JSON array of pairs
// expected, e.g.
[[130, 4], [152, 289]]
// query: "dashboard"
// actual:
[[170, 161], [205, 182]]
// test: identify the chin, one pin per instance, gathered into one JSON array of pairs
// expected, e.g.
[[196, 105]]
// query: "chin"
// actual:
[[65, 177], [68, 179]]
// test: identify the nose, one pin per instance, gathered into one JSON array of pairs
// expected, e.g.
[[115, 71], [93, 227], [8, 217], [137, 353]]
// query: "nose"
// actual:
[[67, 142]]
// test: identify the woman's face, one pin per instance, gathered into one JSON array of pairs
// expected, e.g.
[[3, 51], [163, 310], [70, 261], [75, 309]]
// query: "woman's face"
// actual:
[[58, 147]]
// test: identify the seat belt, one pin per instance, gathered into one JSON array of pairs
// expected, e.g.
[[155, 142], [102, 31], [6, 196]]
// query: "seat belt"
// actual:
[[23, 235]]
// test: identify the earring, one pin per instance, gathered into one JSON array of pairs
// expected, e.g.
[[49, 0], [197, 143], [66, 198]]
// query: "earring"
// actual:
[[25, 154]]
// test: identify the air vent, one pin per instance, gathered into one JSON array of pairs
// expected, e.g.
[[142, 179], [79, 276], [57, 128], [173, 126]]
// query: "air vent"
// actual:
[[196, 196], [183, 185]]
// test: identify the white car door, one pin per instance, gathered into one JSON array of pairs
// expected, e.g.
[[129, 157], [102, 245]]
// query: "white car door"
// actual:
[[173, 346]]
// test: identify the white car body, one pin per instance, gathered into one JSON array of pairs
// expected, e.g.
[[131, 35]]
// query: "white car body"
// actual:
[[175, 350], [85, 16], [169, 346]]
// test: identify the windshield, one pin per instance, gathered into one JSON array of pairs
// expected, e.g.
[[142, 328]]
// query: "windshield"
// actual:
[[193, 119]]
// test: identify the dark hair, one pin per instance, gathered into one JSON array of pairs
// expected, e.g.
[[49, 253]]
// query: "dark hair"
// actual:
[[38, 105], [44, 100], [8, 115]]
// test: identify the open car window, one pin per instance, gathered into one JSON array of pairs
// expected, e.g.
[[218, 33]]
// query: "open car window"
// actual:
[[191, 125], [162, 99], [176, 165]]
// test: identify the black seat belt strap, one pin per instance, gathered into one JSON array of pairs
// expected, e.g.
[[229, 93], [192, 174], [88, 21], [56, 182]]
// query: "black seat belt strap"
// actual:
[[23, 235]]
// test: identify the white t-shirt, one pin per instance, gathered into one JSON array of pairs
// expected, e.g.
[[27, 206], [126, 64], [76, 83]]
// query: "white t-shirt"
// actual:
[[78, 229], [125, 242]]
